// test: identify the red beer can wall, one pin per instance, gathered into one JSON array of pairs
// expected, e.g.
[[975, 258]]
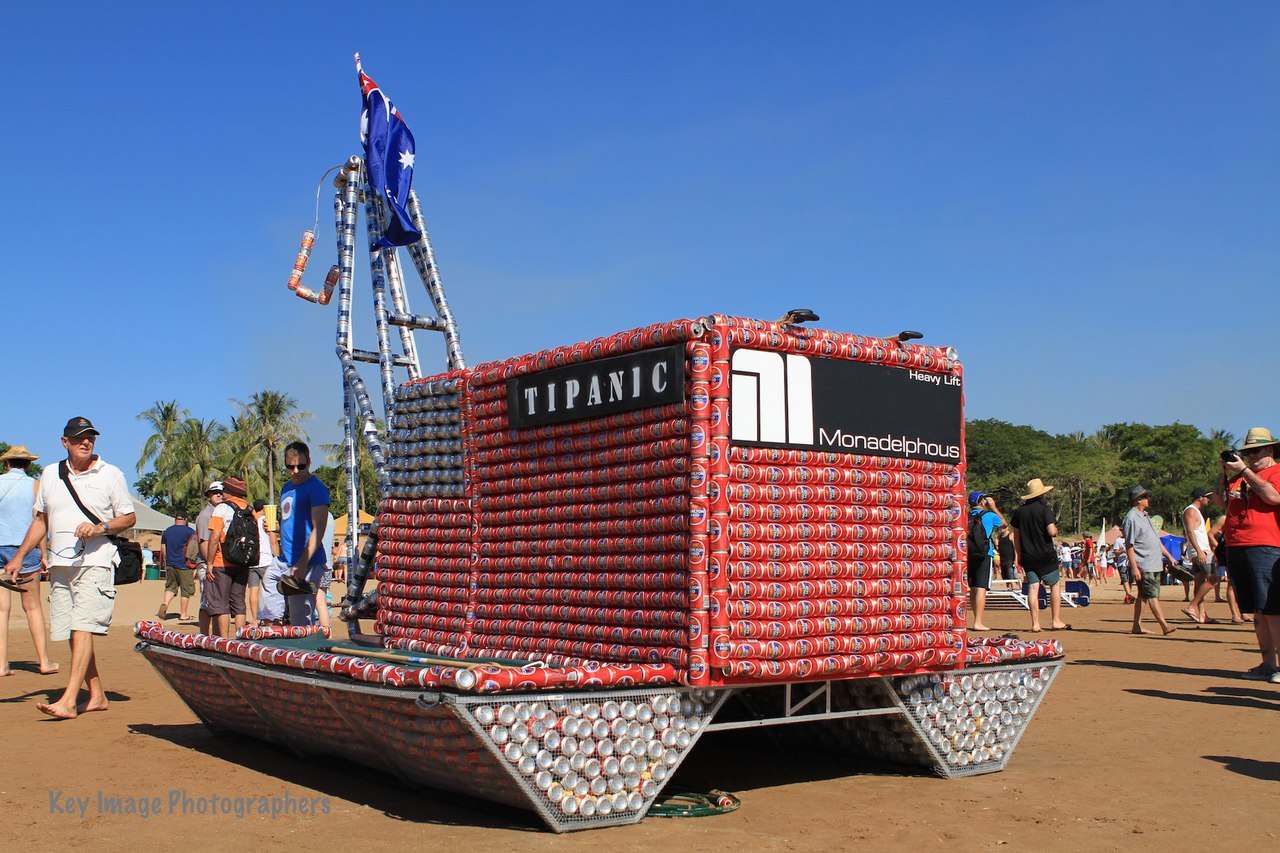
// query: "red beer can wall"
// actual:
[[648, 536]]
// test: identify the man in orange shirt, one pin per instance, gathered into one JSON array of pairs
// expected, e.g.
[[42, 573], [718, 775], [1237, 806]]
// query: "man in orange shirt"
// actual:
[[1250, 490], [228, 581]]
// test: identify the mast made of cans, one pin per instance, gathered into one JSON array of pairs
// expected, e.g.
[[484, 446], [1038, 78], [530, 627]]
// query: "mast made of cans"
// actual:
[[417, 417]]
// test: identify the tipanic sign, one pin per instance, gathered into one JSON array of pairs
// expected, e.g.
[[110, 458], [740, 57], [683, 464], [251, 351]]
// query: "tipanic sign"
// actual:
[[607, 386], [783, 400]]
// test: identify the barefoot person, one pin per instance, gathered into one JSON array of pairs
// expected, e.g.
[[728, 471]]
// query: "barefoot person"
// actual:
[[1034, 526], [1197, 548], [17, 498], [81, 557], [984, 519], [1146, 554]]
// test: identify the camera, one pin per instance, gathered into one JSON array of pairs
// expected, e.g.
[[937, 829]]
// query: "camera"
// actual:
[[1230, 456]]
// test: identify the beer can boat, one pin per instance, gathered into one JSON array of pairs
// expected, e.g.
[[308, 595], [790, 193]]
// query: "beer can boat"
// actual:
[[587, 558]]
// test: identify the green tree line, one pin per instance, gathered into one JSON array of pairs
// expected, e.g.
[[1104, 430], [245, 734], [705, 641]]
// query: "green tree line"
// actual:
[[1093, 473]]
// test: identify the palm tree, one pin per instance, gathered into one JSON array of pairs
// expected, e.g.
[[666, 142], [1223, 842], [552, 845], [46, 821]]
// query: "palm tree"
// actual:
[[237, 453], [1222, 439], [192, 458], [165, 419], [273, 422], [336, 455]]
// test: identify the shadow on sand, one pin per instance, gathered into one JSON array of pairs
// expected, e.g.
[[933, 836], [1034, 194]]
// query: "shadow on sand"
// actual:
[[1267, 771], [1149, 666], [1230, 698], [345, 780]]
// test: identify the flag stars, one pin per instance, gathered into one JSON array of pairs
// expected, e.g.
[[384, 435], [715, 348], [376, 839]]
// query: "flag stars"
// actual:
[[406, 159]]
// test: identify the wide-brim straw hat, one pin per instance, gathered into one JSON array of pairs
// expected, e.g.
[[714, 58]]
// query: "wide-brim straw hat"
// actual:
[[18, 452], [1258, 437], [1036, 488]]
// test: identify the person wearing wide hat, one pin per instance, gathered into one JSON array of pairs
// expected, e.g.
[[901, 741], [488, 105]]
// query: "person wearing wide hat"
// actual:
[[18, 492], [1034, 526], [1249, 488], [82, 554], [1146, 559]]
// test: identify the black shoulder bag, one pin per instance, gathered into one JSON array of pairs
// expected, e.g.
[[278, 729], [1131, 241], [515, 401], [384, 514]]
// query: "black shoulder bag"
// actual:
[[129, 568]]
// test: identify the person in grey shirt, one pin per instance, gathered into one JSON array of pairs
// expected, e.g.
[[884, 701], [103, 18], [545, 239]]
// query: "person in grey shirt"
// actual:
[[215, 497], [1146, 554]]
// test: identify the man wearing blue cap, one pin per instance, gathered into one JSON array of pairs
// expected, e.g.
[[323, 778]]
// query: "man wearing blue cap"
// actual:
[[984, 518]]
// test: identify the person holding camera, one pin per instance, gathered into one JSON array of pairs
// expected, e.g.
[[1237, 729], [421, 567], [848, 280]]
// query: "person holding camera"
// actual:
[[984, 518], [1249, 488]]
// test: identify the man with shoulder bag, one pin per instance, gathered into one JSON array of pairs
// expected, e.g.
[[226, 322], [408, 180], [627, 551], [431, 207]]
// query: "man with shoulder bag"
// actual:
[[82, 557]]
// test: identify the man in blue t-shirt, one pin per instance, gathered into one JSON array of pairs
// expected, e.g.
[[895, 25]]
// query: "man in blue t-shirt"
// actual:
[[982, 508], [304, 510], [178, 576]]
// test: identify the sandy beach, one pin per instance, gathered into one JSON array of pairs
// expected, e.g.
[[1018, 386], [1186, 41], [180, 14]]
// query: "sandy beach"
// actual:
[[1142, 743]]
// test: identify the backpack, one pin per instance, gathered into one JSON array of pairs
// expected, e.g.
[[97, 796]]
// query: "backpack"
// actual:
[[240, 544], [191, 551], [979, 541]]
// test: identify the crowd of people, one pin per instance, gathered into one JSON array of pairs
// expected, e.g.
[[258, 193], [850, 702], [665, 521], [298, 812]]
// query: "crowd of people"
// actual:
[[1239, 548], [68, 523], [288, 582]]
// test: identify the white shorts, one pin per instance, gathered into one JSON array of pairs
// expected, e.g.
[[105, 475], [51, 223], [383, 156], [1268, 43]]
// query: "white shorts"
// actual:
[[80, 599]]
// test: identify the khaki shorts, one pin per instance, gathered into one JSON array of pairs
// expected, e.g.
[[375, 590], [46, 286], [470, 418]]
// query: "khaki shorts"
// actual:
[[1149, 586], [176, 579], [80, 599]]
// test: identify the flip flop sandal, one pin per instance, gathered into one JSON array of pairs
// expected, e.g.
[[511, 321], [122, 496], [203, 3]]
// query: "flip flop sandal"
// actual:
[[8, 584], [290, 585]]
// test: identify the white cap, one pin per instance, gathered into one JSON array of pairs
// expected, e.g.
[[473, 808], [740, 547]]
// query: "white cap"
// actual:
[[215, 486]]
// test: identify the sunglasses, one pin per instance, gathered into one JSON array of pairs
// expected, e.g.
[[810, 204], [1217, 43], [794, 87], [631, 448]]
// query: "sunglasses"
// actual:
[[301, 467], [1251, 451]]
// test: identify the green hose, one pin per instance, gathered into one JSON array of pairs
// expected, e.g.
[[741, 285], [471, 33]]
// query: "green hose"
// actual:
[[689, 804]]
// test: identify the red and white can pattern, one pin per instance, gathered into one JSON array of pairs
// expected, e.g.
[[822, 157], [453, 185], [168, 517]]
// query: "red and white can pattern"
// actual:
[[582, 528], [646, 536], [839, 564]]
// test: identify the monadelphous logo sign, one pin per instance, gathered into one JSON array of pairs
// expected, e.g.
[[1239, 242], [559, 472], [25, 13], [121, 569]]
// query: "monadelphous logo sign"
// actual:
[[782, 400], [606, 386]]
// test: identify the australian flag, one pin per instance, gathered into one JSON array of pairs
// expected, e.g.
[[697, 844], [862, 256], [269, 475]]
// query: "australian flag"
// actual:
[[388, 155]]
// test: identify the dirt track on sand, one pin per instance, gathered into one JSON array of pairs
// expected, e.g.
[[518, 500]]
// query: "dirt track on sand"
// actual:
[[1142, 743]]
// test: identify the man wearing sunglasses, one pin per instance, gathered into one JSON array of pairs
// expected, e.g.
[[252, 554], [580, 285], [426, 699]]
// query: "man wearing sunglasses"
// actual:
[[1250, 490], [81, 557], [304, 513]]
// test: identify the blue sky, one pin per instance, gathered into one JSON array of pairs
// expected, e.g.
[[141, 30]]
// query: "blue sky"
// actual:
[[1082, 198]]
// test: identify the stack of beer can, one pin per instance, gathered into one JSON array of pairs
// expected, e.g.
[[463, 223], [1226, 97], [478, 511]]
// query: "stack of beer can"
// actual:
[[581, 527], [648, 536]]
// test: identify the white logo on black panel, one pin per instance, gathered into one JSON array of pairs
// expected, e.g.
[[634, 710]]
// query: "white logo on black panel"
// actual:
[[770, 398]]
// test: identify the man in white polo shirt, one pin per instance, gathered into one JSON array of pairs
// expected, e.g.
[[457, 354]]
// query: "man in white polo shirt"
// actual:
[[81, 558]]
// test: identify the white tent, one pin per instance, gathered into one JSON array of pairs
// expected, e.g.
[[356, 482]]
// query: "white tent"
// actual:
[[148, 518]]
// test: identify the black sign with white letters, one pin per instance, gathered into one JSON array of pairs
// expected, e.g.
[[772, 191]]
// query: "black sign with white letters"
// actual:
[[594, 389], [844, 406]]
